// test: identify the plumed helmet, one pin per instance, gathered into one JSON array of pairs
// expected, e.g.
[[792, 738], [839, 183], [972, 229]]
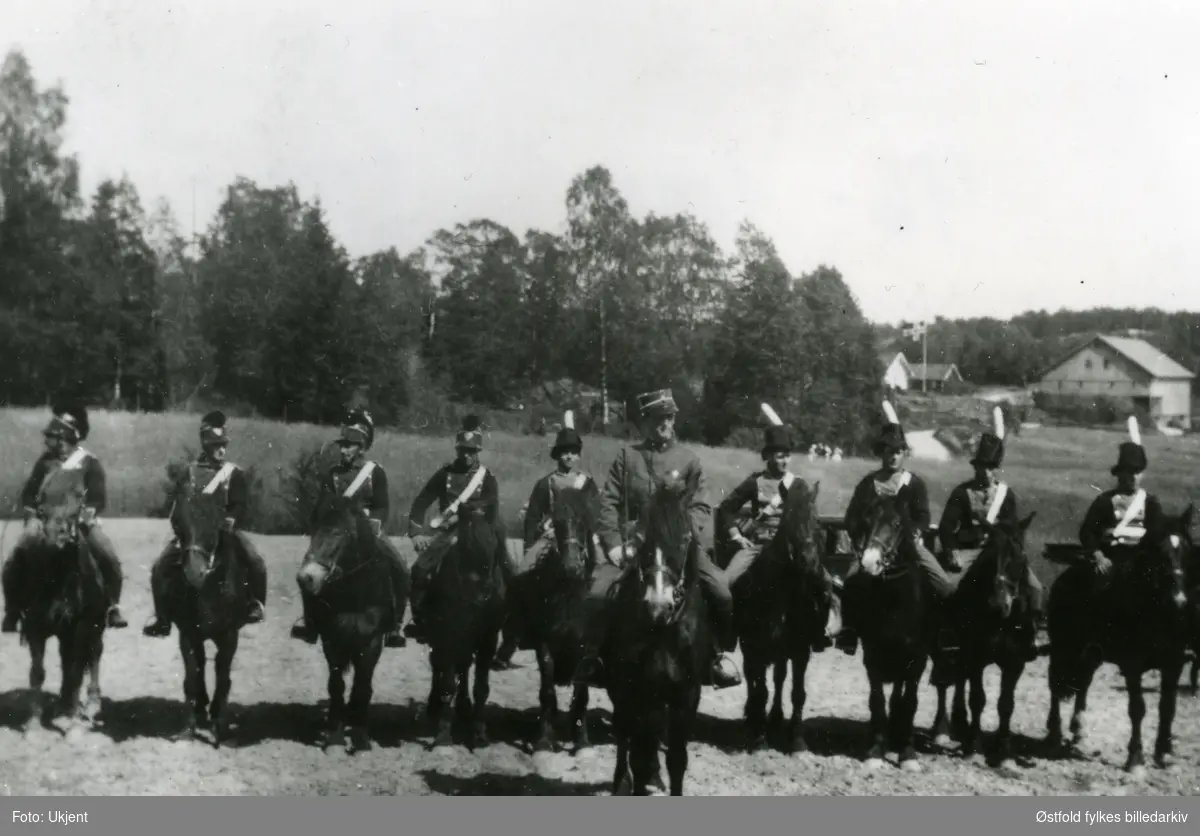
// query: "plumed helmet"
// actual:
[[69, 421], [470, 434], [358, 428], [213, 430]]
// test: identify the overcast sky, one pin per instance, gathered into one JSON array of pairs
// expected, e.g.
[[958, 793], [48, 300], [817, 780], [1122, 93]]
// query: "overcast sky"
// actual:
[[949, 157]]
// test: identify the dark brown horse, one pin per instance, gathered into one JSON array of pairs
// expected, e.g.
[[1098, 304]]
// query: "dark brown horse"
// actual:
[[349, 578], [1137, 620], [205, 596], [995, 628], [659, 647], [466, 611], [64, 599], [888, 604], [548, 608], [781, 605]]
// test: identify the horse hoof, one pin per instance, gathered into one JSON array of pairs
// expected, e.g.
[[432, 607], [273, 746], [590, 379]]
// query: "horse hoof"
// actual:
[[797, 745], [657, 792], [443, 740], [1137, 773], [479, 739], [942, 741], [543, 745], [359, 742], [74, 733], [334, 740], [911, 765], [582, 742], [1007, 766], [874, 764]]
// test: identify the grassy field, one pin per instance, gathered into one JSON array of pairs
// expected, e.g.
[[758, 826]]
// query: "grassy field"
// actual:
[[1054, 471]]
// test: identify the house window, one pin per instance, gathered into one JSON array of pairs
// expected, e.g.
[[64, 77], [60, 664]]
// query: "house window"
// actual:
[[1087, 363]]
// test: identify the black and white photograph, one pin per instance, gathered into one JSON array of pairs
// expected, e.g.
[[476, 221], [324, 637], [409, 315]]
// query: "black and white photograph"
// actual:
[[563, 398]]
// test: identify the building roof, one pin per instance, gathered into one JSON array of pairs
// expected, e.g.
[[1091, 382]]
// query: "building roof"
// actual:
[[935, 371], [1139, 352], [889, 357]]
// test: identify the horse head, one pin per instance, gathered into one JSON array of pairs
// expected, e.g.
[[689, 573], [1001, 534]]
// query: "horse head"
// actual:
[[573, 521], [890, 543], [799, 528], [669, 549], [197, 520], [1167, 553], [336, 547], [1004, 553], [61, 507]]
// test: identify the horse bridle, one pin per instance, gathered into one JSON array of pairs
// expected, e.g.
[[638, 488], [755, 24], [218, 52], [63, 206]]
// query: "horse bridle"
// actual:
[[679, 580]]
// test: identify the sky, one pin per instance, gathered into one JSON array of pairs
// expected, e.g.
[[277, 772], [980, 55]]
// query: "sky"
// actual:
[[951, 158]]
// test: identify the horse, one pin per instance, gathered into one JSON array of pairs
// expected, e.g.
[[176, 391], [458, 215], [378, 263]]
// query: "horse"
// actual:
[[348, 576], [466, 613], [548, 608], [1137, 621], [658, 650], [64, 597], [780, 609], [995, 628], [205, 596], [888, 604]]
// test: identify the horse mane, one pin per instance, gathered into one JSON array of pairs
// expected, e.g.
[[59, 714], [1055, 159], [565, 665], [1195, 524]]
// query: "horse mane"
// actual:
[[798, 518]]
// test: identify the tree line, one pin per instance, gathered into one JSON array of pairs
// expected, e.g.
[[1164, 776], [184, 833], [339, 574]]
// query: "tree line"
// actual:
[[264, 312]]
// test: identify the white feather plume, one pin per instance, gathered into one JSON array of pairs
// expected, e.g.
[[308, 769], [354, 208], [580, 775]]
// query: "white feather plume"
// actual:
[[890, 412], [998, 422], [569, 420], [1135, 433], [772, 415]]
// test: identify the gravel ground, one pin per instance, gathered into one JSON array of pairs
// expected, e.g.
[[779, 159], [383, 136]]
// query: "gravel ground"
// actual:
[[279, 693]]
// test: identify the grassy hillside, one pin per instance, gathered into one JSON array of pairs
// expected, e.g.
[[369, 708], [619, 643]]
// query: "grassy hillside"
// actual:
[[1053, 471]]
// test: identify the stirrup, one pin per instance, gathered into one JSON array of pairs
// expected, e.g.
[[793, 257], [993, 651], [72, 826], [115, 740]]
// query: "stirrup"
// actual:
[[9, 624], [114, 618], [305, 632], [256, 613], [157, 628]]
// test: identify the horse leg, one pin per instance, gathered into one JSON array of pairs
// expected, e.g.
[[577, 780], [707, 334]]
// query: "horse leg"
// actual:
[[622, 780], [960, 725], [191, 649], [800, 659], [643, 754], [1135, 763], [756, 698], [37, 678], [335, 733], [895, 723], [72, 663], [579, 715], [941, 725], [879, 722], [227, 647], [1010, 674], [1168, 693], [779, 671], [907, 722], [483, 690], [978, 704], [679, 732], [445, 682], [91, 711], [361, 692], [1079, 720], [547, 700]]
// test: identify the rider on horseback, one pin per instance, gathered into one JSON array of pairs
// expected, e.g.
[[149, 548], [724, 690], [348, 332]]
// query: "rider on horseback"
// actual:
[[765, 491], [216, 475], [634, 475], [463, 487], [983, 501], [567, 477], [1118, 519], [67, 428], [908, 489], [365, 484]]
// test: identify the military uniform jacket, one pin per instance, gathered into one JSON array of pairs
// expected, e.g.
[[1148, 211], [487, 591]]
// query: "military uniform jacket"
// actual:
[[364, 483], [90, 471], [1107, 511], [224, 480], [765, 495], [634, 475], [966, 512], [908, 489], [447, 484], [545, 495]]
